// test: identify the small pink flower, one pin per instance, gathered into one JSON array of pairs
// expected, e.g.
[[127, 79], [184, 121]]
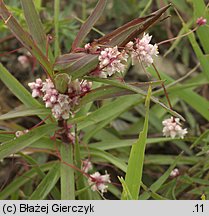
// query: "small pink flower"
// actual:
[[87, 46], [60, 104], [36, 88], [87, 166], [99, 182], [142, 51], [174, 173], [201, 21], [112, 61], [24, 61], [172, 128]]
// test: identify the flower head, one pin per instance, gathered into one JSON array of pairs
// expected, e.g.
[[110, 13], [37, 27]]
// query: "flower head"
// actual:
[[174, 173], [36, 88], [142, 51], [24, 61], [87, 166], [60, 104], [111, 61], [201, 21], [99, 182], [172, 128]]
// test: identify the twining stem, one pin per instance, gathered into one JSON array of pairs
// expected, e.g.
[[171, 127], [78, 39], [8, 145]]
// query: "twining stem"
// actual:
[[166, 93], [181, 36]]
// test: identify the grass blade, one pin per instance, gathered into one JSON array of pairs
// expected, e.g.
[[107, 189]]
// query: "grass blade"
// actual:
[[155, 186], [87, 26], [67, 173], [25, 38], [136, 160], [22, 112], [47, 184], [35, 26], [26, 140], [17, 89], [23, 179]]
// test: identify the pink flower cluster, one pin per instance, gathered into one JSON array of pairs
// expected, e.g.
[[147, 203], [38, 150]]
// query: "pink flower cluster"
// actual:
[[99, 182], [87, 166], [174, 173], [142, 51], [172, 128], [112, 61], [60, 104]]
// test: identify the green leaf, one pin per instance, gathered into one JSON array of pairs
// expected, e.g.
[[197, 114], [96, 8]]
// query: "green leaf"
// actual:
[[109, 91], [106, 156], [120, 143], [202, 58], [11, 147], [81, 67], [17, 89], [199, 103], [55, 192], [120, 105], [5, 137], [35, 26], [133, 176], [136, 90], [64, 61], [157, 185], [87, 26], [22, 112], [131, 30], [200, 10], [47, 184], [23, 179], [67, 173], [126, 193], [25, 38], [81, 182]]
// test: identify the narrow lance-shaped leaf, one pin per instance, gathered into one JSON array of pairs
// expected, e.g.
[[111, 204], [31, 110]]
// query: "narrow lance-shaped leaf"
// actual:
[[157, 185], [136, 160], [24, 37], [17, 89], [134, 89], [131, 30], [109, 91], [22, 112], [11, 147], [64, 61], [23, 179], [67, 173], [35, 26], [82, 66], [47, 184], [87, 26]]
